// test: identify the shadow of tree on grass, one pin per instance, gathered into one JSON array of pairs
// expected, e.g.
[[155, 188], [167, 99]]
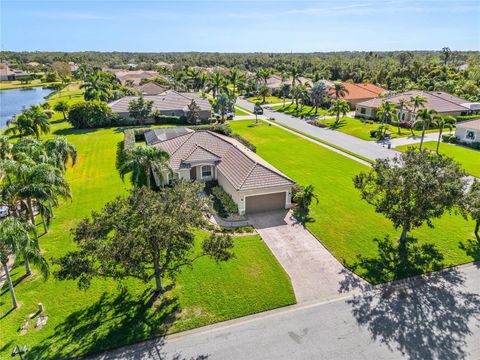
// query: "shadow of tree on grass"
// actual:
[[108, 323], [425, 317]]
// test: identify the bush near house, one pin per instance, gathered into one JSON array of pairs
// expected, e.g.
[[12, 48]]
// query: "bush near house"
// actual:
[[452, 139], [91, 114], [223, 203]]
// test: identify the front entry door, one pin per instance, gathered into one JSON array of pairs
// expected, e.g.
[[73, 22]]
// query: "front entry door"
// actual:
[[193, 173]]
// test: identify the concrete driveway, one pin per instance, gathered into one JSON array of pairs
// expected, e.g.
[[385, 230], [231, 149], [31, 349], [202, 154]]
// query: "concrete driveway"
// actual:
[[315, 273]]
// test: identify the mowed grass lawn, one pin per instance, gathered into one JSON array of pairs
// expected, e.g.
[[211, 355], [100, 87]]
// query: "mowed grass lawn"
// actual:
[[305, 111], [16, 84], [268, 99], [112, 314], [361, 129], [468, 158], [240, 112], [343, 222]]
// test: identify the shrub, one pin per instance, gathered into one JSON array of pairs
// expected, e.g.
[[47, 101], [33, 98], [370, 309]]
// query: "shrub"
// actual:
[[375, 133], [90, 114], [318, 124], [168, 120], [223, 203], [449, 138], [467, 117]]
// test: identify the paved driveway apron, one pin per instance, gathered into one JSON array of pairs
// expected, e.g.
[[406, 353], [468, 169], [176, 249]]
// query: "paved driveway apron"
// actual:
[[315, 273]]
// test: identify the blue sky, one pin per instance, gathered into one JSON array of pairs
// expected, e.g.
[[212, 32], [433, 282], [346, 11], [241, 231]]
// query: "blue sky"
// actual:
[[240, 26]]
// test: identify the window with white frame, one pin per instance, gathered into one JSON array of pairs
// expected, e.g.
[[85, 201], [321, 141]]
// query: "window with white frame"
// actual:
[[206, 171]]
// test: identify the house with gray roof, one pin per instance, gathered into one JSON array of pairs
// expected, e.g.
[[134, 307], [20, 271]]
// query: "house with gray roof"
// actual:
[[440, 101], [253, 184], [6, 73], [169, 103]]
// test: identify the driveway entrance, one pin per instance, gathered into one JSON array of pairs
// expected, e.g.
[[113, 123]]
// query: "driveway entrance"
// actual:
[[315, 273]]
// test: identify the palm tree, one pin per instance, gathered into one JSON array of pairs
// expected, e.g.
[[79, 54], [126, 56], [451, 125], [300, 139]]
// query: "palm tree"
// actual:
[[338, 107], [402, 104], [141, 161], [216, 84], [257, 109], [61, 151], [15, 241], [285, 91], [426, 117], [417, 102], [235, 78], [263, 74], [303, 93], [304, 198], [386, 111], [96, 87], [319, 91], [62, 106], [32, 121], [264, 91], [339, 89], [442, 123], [295, 74]]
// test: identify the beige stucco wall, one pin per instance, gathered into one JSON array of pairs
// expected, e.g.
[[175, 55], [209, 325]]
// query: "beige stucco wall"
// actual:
[[239, 196], [461, 133]]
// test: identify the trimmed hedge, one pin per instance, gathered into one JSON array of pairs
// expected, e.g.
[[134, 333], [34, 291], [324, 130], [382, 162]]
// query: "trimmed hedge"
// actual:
[[468, 117], [223, 203], [452, 139], [168, 120]]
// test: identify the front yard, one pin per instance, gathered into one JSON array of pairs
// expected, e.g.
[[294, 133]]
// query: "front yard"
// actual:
[[305, 111], [268, 99], [468, 158], [344, 223], [110, 314], [361, 129]]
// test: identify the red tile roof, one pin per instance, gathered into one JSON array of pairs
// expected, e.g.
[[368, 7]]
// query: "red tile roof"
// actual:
[[361, 91]]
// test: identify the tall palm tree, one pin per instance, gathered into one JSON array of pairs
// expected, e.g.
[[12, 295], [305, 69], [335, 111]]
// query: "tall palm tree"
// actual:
[[263, 74], [338, 107], [235, 77], [96, 86], [61, 151], [317, 94], [402, 104], [386, 111], [141, 161], [417, 102], [303, 93], [425, 117], [216, 84], [264, 91], [15, 241], [295, 74], [32, 121], [62, 106], [339, 89], [444, 122], [285, 91]]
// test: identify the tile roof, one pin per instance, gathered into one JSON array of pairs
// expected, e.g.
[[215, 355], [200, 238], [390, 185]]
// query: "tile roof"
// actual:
[[241, 167], [151, 88], [437, 100], [469, 124], [275, 81], [361, 91], [170, 100], [157, 135]]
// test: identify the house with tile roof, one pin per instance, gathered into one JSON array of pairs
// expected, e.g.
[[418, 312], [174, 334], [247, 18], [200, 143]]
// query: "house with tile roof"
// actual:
[[440, 101], [275, 82], [356, 93], [253, 184], [151, 88], [468, 131], [6, 73], [168, 103]]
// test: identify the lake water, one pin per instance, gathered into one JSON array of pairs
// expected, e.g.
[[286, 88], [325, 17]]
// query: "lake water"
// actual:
[[12, 102]]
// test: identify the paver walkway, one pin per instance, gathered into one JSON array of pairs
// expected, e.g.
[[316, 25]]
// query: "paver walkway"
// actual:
[[315, 273], [367, 149]]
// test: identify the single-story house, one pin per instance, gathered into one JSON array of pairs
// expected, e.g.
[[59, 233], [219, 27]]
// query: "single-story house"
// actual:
[[356, 93], [468, 131], [169, 103], [6, 73], [275, 82], [442, 102], [151, 88], [134, 76], [253, 184]]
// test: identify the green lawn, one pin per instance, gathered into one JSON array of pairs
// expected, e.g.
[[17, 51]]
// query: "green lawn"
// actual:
[[107, 316], [240, 112], [360, 129], [268, 99], [16, 84], [344, 223], [468, 158], [305, 111]]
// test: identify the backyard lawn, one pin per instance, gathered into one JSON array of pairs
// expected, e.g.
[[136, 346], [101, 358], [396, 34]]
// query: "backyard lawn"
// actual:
[[344, 223], [357, 128], [268, 99], [468, 158], [306, 111], [108, 315]]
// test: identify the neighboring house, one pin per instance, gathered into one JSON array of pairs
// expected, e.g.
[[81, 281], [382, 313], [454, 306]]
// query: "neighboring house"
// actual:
[[6, 73], [253, 184], [468, 131], [275, 82], [170, 103], [163, 64], [442, 102], [135, 76], [73, 67], [151, 88], [357, 93]]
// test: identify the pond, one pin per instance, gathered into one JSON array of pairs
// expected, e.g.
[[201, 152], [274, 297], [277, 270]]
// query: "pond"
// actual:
[[12, 102]]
